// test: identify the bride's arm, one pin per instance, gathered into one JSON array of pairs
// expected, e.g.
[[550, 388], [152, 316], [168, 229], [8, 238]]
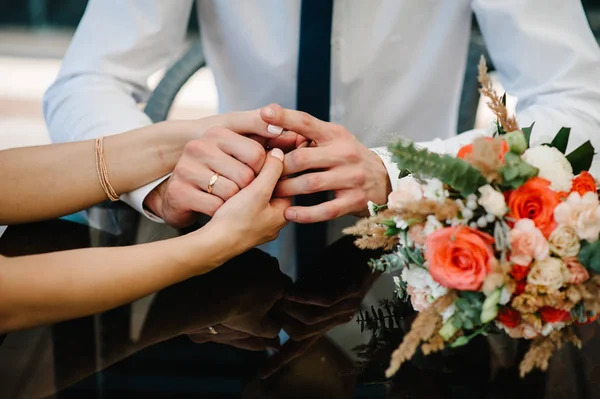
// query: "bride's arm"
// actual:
[[51, 287], [46, 288], [54, 180]]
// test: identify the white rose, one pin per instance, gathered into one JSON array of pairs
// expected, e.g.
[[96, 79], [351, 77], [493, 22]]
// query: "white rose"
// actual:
[[550, 272], [492, 201], [580, 213], [564, 242], [408, 190], [553, 166]]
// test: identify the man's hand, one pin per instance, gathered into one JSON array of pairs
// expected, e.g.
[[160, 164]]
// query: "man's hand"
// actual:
[[337, 162], [230, 145]]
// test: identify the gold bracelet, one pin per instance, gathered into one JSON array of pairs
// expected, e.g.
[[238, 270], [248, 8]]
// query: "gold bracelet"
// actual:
[[103, 171]]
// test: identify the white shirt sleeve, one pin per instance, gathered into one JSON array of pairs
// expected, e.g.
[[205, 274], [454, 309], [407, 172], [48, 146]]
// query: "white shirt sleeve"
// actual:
[[117, 46], [546, 55]]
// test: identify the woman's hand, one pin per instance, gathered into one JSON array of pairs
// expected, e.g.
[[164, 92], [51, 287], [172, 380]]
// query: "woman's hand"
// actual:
[[252, 217]]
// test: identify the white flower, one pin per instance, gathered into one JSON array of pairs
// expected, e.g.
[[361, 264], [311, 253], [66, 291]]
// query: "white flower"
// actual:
[[400, 223], [582, 213], [553, 166], [419, 278], [505, 296], [408, 190], [448, 313], [549, 327], [434, 190], [371, 207], [431, 225], [550, 272], [492, 201]]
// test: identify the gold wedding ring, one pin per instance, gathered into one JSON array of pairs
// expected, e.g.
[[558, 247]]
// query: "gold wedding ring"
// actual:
[[212, 330], [211, 184]]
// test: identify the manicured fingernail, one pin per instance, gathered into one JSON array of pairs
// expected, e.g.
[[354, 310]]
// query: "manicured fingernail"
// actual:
[[268, 112], [291, 215], [274, 129], [277, 153]]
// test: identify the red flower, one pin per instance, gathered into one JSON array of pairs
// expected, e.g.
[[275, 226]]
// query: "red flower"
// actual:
[[589, 320], [553, 315], [520, 288], [519, 272], [509, 317], [468, 149], [536, 201], [584, 183]]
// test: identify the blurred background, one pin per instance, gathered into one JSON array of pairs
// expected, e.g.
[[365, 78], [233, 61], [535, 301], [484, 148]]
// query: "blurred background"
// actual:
[[34, 35]]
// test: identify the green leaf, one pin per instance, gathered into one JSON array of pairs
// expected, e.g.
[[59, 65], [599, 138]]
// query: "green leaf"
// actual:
[[404, 173], [515, 171], [504, 99], [489, 309], [392, 231], [454, 172], [589, 256], [388, 223], [460, 341], [377, 208], [457, 322], [527, 132], [448, 330], [581, 158], [561, 140]]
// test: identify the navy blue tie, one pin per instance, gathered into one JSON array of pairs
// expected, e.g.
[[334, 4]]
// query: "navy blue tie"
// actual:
[[313, 97]]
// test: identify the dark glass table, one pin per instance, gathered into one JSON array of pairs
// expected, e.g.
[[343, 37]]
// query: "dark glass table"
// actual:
[[267, 344]]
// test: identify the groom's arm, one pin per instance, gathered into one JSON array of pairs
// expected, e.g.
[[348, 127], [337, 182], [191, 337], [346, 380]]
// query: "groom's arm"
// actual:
[[546, 55], [117, 46]]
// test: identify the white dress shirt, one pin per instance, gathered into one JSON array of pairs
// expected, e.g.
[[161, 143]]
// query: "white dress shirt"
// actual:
[[397, 65]]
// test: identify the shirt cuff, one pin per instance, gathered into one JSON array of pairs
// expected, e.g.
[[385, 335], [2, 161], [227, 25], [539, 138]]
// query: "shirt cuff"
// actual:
[[135, 199]]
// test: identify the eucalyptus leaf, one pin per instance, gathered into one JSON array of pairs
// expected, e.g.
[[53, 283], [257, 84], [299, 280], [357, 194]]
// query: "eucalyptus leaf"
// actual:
[[460, 341], [589, 256], [452, 171]]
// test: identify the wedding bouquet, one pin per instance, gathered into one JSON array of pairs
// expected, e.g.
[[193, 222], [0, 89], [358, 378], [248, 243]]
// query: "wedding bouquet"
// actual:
[[503, 236]]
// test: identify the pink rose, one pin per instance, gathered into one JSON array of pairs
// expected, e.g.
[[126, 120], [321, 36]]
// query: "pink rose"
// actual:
[[527, 243], [418, 298], [522, 331], [408, 190], [578, 273], [417, 234]]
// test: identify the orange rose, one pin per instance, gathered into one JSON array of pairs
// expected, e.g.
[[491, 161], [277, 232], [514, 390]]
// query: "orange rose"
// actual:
[[468, 149], [536, 201], [459, 257], [584, 183]]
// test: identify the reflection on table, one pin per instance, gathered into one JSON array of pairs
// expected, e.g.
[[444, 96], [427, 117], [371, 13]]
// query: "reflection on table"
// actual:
[[275, 338]]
